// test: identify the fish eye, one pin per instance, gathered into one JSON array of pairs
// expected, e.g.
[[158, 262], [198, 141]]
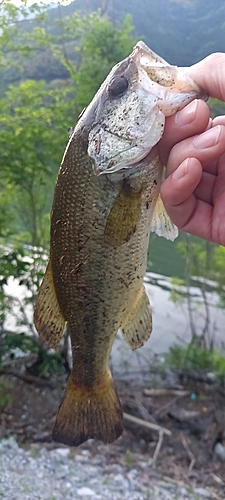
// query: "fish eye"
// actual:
[[117, 86]]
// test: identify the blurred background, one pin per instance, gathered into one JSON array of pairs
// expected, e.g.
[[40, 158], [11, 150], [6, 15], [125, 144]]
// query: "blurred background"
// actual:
[[53, 59]]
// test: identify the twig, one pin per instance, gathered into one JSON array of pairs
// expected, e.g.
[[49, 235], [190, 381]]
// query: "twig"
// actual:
[[148, 425], [8, 363], [187, 282], [158, 446], [165, 392], [214, 494], [163, 410], [143, 412], [30, 379], [190, 454], [49, 422], [217, 478], [23, 311], [168, 479]]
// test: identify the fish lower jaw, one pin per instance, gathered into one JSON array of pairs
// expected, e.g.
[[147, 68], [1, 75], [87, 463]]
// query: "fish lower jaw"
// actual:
[[123, 170]]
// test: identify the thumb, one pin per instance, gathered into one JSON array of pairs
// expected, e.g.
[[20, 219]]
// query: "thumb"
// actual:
[[210, 75]]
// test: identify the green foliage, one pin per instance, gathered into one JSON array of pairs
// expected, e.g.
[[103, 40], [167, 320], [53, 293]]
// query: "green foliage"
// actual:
[[34, 120], [190, 357], [217, 108], [96, 46], [23, 268], [13, 37], [195, 359], [32, 137], [26, 265], [164, 34], [102, 47], [219, 269], [198, 255], [128, 458], [26, 268], [43, 362], [5, 397], [200, 271], [177, 295]]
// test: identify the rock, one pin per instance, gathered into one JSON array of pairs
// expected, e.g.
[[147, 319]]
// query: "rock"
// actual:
[[220, 451], [10, 443], [63, 452], [99, 460], [86, 453], [118, 477], [202, 492], [143, 464], [81, 458], [133, 473], [183, 492], [85, 491], [43, 452]]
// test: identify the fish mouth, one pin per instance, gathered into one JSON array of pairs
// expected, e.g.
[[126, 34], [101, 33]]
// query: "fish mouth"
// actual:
[[166, 79]]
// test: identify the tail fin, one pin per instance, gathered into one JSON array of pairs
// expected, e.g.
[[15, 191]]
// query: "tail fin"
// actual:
[[89, 413]]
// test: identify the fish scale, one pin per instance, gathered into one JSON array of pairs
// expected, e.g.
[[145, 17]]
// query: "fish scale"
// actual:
[[106, 202]]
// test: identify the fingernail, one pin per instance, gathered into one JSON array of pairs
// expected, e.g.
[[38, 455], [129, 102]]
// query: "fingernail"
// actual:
[[186, 115], [207, 139], [181, 171]]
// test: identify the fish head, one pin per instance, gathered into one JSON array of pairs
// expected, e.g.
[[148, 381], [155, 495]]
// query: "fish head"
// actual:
[[129, 110]]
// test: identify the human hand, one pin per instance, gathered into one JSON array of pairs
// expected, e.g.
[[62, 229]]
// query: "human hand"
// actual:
[[193, 148]]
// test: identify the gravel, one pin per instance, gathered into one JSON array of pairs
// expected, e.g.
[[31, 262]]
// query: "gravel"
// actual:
[[59, 474]]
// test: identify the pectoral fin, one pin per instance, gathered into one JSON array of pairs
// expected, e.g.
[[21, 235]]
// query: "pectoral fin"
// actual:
[[137, 326], [48, 318], [123, 219], [161, 224]]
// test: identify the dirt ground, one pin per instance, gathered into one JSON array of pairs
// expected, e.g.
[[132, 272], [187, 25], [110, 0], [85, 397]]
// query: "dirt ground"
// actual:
[[195, 417]]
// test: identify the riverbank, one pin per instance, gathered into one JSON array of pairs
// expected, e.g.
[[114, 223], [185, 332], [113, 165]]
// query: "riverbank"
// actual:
[[60, 474], [143, 463]]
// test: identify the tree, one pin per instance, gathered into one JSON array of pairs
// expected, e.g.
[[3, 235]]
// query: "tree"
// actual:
[[13, 37], [33, 135], [98, 45], [205, 269]]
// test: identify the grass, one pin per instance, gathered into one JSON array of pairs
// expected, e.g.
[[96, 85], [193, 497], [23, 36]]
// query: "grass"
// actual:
[[195, 359], [128, 458]]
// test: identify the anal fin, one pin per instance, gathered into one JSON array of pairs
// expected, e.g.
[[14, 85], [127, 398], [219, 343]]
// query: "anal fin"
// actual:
[[89, 412], [137, 326], [48, 318]]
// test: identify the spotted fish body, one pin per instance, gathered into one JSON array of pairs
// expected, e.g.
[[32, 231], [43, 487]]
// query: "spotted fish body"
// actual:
[[105, 203]]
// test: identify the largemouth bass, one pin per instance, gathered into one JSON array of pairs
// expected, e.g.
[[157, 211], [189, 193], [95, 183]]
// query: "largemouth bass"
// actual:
[[106, 201]]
